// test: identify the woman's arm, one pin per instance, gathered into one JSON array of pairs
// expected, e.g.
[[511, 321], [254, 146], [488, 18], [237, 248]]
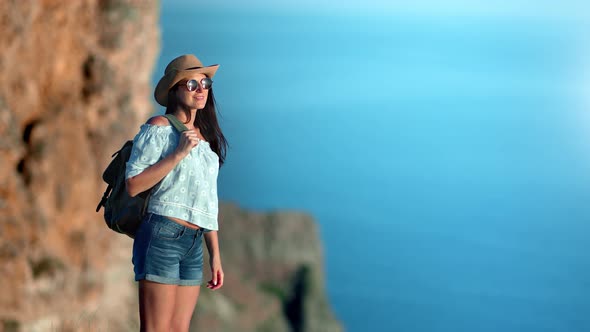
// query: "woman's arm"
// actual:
[[152, 175], [212, 242], [155, 173]]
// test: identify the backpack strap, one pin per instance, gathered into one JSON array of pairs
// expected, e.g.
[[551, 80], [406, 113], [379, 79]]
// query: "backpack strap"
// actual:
[[105, 196], [179, 126]]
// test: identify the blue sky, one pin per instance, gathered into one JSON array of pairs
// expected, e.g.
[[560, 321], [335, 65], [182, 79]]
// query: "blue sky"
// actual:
[[569, 9], [473, 144], [568, 18]]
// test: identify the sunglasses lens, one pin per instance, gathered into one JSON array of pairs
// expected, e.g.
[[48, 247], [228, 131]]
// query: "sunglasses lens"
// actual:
[[192, 85], [206, 83]]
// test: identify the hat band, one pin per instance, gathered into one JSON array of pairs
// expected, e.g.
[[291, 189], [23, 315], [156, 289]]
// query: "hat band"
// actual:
[[178, 69]]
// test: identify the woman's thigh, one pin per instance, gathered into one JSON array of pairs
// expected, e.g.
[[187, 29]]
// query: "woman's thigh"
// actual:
[[186, 301], [156, 305]]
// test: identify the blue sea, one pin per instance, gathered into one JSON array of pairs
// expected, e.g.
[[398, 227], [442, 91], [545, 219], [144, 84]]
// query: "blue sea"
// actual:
[[445, 159]]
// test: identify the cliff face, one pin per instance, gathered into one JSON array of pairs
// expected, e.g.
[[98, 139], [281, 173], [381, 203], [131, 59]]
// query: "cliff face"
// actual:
[[74, 84]]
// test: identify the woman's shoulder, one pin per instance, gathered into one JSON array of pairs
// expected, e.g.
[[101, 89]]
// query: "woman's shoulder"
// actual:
[[158, 120], [156, 126]]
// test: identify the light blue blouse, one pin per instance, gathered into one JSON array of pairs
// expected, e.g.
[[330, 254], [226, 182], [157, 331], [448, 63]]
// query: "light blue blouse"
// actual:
[[189, 191]]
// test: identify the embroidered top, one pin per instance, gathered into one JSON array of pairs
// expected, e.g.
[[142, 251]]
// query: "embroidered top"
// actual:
[[189, 191]]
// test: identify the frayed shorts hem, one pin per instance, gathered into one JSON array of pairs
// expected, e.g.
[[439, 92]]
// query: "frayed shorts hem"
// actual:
[[168, 281]]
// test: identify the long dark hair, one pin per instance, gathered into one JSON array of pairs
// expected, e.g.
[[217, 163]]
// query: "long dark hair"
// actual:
[[206, 121]]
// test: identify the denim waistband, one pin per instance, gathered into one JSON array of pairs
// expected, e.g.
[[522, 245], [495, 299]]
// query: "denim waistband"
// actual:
[[156, 218]]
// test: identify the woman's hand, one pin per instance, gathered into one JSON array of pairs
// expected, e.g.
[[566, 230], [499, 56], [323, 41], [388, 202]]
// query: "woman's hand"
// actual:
[[216, 274], [188, 140]]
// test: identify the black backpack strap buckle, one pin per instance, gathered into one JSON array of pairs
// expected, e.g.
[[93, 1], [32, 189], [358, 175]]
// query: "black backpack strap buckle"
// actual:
[[105, 196]]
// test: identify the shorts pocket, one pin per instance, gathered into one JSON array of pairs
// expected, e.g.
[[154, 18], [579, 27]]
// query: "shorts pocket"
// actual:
[[168, 233]]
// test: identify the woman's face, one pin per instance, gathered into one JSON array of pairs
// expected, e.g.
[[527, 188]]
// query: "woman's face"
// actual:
[[192, 99]]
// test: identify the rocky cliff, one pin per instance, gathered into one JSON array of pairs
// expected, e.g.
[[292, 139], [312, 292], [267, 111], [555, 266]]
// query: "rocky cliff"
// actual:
[[74, 81], [274, 268], [74, 84]]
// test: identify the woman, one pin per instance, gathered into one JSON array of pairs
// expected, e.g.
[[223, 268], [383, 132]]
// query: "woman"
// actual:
[[181, 171]]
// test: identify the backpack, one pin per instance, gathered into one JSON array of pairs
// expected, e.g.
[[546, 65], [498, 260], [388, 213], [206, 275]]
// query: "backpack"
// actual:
[[123, 213]]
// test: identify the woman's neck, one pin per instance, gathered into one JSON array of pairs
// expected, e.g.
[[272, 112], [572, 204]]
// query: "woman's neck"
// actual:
[[181, 115]]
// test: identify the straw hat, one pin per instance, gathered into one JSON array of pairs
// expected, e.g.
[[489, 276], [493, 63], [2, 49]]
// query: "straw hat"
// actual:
[[178, 69]]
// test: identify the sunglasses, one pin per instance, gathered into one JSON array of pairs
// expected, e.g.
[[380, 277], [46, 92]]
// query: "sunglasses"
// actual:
[[193, 85]]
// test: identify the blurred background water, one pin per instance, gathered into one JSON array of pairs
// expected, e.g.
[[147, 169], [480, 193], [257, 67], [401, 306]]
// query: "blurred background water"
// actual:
[[444, 154]]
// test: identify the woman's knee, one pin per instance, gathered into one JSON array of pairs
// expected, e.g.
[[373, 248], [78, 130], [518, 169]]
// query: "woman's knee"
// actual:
[[156, 325], [179, 325]]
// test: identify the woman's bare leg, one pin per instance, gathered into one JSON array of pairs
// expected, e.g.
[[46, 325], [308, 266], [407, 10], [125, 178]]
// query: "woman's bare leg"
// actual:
[[186, 300], [156, 306]]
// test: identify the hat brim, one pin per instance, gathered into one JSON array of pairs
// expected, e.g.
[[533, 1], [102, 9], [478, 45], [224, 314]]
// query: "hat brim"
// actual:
[[169, 80]]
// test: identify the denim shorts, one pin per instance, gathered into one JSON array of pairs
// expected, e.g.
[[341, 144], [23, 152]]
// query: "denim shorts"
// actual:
[[168, 253]]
